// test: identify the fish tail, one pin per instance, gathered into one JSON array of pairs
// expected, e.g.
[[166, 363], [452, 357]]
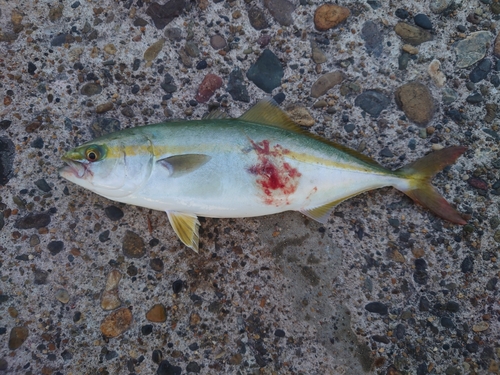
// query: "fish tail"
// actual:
[[418, 186]]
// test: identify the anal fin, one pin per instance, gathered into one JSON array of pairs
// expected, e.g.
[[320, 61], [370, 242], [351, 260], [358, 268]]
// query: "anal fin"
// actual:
[[186, 227], [322, 213]]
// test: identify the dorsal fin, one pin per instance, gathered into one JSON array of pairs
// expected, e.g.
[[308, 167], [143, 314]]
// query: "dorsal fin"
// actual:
[[216, 114], [267, 112]]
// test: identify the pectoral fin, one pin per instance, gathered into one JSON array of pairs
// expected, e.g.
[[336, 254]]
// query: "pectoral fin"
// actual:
[[186, 227], [179, 165]]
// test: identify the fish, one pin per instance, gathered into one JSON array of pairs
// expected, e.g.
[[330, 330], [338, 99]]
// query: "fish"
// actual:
[[260, 163]]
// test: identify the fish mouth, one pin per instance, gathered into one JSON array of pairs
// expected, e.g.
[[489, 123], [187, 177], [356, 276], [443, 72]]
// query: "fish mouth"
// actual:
[[72, 169]]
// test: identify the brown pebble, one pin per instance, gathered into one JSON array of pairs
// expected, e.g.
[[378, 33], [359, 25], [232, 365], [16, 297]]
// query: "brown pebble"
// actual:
[[418, 253], [18, 336], [152, 52], [157, 314], [325, 83], [116, 323], [496, 46], [194, 319], [300, 115], [218, 42], [105, 107], [56, 12], [416, 101], [330, 15], [412, 34], [133, 245], [110, 299], [235, 359], [207, 88]]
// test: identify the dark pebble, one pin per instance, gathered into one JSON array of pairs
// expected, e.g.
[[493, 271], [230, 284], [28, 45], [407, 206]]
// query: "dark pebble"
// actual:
[[162, 15], [75, 5], [474, 98], [157, 356], [135, 89], [193, 347], [424, 304], [147, 329], [447, 322], [133, 245], [67, 355], [7, 151], [156, 264], [3, 330], [375, 4], [380, 338], [77, 316], [236, 86], [412, 144], [132, 270], [491, 285], [452, 306], [403, 60], [377, 307], [4, 124], [400, 331], [257, 18], [480, 71], [349, 128], [55, 247], [373, 38], [467, 265], [372, 102], [113, 213], [478, 183], [492, 133], [402, 13], [279, 333], [281, 10], [104, 236], [140, 22], [110, 355], [495, 80], [497, 66], [136, 64], [165, 368], [43, 185], [33, 221], [266, 73], [168, 87], [201, 65], [41, 276], [279, 97], [461, 28], [423, 21], [61, 39], [420, 275], [473, 347], [455, 115], [386, 153], [177, 286], [3, 298], [90, 89], [128, 112], [2, 222], [37, 143], [193, 367], [4, 365], [31, 68]]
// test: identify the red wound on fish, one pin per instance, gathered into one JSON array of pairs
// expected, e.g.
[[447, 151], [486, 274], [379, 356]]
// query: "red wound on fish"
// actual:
[[276, 178]]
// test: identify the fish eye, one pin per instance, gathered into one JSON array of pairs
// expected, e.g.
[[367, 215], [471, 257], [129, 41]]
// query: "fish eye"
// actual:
[[92, 154]]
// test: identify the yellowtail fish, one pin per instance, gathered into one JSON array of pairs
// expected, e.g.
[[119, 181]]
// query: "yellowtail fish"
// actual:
[[258, 164]]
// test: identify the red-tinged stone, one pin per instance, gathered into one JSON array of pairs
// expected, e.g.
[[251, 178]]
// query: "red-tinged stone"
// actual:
[[478, 183], [210, 83]]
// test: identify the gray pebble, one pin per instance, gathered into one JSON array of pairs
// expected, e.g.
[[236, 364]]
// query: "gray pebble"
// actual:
[[423, 21], [472, 49], [218, 42], [33, 221], [480, 71], [257, 18], [41, 276], [90, 89], [113, 213], [192, 49], [236, 86], [266, 73], [43, 185], [377, 308], [55, 247], [372, 102], [474, 98], [373, 38], [7, 152], [281, 10], [174, 34]]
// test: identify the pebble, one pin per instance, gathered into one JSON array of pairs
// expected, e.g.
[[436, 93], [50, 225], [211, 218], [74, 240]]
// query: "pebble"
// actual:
[[153, 50], [116, 323], [207, 87], [423, 21], [372, 102], [105, 107], [257, 18], [386, 153], [412, 34], [56, 12], [43, 185], [281, 10], [156, 264], [328, 16], [110, 49], [193, 367], [55, 247], [157, 314], [202, 65], [2, 222], [491, 285], [91, 89], [325, 83], [174, 34], [349, 128], [17, 337], [416, 101], [480, 71], [165, 368], [162, 15], [447, 322], [373, 38], [40, 276], [448, 95], [140, 22], [475, 98], [236, 86], [192, 49], [424, 304], [317, 55], [7, 152], [480, 327], [266, 73], [109, 298], [113, 213], [467, 265], [377, 307], [402, 13], [452, 306], [33, 221], [218, 42], [491, 112], [279, 333], [62, 296], [300, 115], [103, 125], [434, 70], [127, 111], [61, 39], [472, 49], [439, 6], [420, 276], [133, 245]]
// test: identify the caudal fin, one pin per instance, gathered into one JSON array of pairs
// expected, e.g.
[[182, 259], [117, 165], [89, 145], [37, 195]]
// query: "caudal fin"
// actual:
[[418, 176]]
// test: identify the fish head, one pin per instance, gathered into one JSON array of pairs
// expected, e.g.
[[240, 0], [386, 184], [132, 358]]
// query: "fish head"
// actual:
[[104, 167]]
